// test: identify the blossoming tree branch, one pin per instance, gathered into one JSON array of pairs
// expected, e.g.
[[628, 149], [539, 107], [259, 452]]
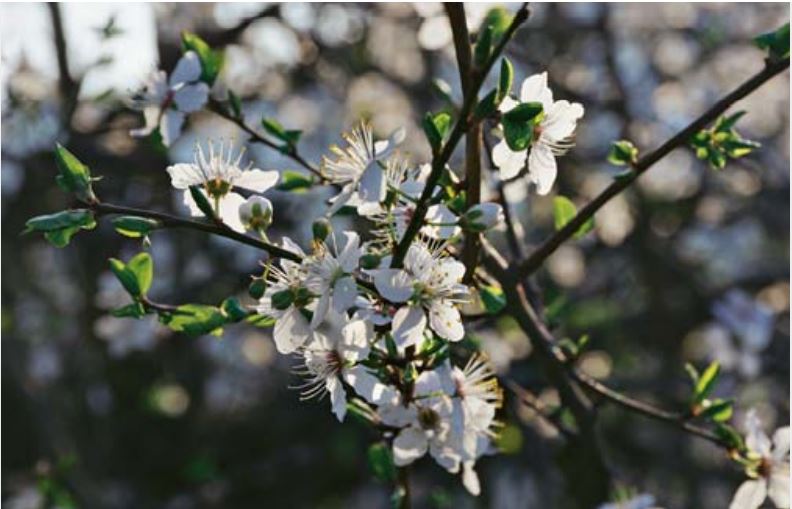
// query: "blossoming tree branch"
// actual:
[[375, 317]]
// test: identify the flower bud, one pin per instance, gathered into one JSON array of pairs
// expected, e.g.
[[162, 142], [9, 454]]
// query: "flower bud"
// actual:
[[483, 216], [256, 213], [257, 288], [321, 229], [370, 261]]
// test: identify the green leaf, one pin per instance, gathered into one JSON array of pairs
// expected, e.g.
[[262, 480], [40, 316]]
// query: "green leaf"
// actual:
[[134, 310], [195, 320], [211, 61], [776, 43], [258, 320], [483, 47], [59, 228], [623, 153], [564, 211], [380, 459], [692, 373], [706, 382], [498, 19], [233, 309], [719, 410], [488, 105], [519, 123], [126, 277], [493, 299], [436, 127], [294, 181], [274, 128], [134, 226], [235, 103], [142, 267], [74, 176], [730, 435], [202, 202], [505, 80]]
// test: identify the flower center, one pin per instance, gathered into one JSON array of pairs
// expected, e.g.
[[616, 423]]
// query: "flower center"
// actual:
[[765, 468], [217, 187], [428, 418]]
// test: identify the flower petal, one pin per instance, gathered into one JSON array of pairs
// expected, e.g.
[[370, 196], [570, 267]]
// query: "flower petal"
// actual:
[[750, 495], [337, 397], [393, 284], [445, 320], [372, 184], [291, 331], [190, 98], [368, 386], [350, 256], [344, 294], [535, 89], [184, 175], [408, 326], [542, 169], [409, 445], [560, 122], [781, 443], [778, 485], [509, 162], [322, 305], [256, 180], [187, 69], [229, 211], [470, 479], [170, 126]]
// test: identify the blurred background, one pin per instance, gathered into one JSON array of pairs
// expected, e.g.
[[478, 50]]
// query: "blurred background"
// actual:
[[690, 265]]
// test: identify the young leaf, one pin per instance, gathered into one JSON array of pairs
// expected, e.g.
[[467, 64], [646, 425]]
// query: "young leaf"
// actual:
[[518, 124], [59, 228], [142, 267], [274, 128], [134, 310], [432, 132], [294, 181], [719, 410], [730, 435], [505, 80], [126, 277], [195, 320], [74, 176], [483, 47], [706, 382], [493, 299], [498, 19], [380, 460], [776, 43], [135, 227], [211, 61], [623, 153], [564, 211]]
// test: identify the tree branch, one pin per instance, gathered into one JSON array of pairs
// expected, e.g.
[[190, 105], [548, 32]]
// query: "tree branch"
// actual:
[[178, 222], [537, 258], [441, 158]]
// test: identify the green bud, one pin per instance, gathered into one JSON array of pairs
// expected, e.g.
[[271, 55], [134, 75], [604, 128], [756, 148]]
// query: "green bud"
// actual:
[[283, 299], [623, 153], [257, 288], [370, 261], [321, 229], [135, 227], [74, 176]]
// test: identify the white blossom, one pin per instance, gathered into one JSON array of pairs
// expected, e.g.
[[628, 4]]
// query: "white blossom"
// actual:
[[359, 169], [768, 467], [284, 300], [333, 355], [219, 175], [256, 213], [551, 137], [165, 102], [330, 276], [430, 286], [484, 216]]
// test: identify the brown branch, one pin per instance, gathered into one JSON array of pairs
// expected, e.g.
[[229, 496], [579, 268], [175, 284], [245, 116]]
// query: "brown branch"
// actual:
[[290, 152], [537, 258], [179, 222], [441, 158]]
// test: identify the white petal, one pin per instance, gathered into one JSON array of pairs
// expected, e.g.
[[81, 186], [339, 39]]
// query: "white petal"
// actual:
[[452, 272], [535, 89], [427, 383], [350, 256], [509, 162], [322, 305], [470, 479], [337, 397], [408, 326], [356, 336], [187, 69], [289, 245], [368, 386], [542, 168], [446, 321], [750, 495], [755, 438], [190, 98], [781, 443], [409, 445], [507, 104], [778, 485], [151, 115], [229, 211], [444, 455], [184, 175], [393, 284], [441, 214], [341, 199], [393, 413], [187, 199], [372, 184], [170, 126], [344, 294], [256, 180], [560, 122], [291, 331]]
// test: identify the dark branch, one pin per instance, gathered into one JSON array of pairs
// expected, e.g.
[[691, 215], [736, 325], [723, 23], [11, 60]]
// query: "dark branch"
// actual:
[[535, 260]]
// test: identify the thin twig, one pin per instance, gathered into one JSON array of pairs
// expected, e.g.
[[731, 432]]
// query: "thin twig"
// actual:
[[537, 258], [441, 158]]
